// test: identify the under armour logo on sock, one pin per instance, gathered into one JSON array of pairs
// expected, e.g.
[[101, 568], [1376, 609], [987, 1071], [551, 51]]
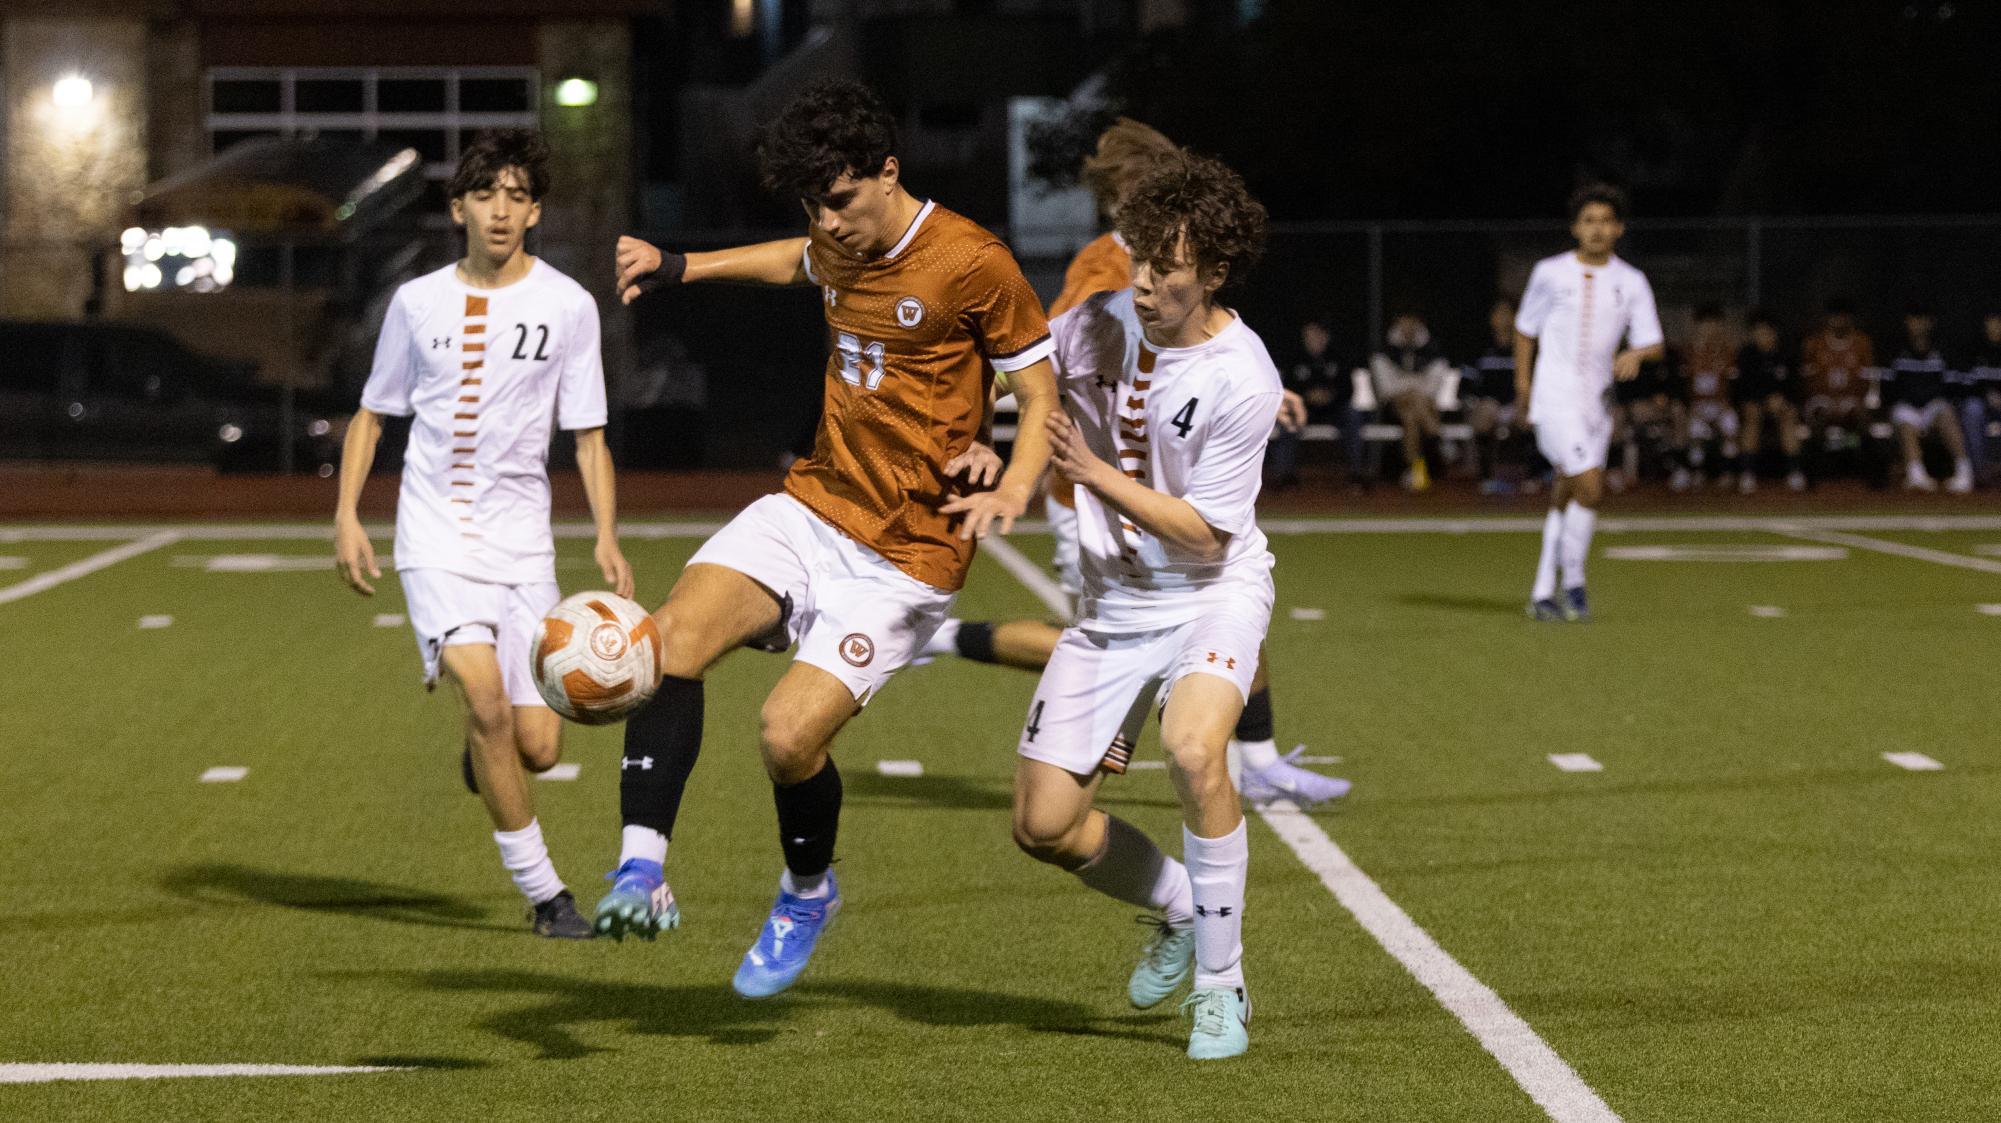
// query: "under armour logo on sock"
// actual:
[[1224, 911], [644, 764]]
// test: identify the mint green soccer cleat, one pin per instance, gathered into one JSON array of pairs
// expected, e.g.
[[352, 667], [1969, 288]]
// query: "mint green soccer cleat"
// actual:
[[1221, 1017], [1164, 963]]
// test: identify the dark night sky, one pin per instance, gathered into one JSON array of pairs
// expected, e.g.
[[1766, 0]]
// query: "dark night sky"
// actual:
[[1480, 109]]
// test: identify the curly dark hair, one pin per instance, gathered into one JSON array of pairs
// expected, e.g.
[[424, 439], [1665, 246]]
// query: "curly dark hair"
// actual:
[[1194, 195], [832, 127], [1598, 193], [493, 152]]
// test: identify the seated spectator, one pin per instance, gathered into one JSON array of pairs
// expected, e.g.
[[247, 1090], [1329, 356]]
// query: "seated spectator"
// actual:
[[1915, 390], [1320, 379], [1707, 365], [1488, 393], [1768, 388], [1650, 416], [1409, 372], [1836, 361], [1986, 379]]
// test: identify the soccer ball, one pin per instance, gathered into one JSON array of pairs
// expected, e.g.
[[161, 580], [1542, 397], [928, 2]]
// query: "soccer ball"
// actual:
[[597, 658]]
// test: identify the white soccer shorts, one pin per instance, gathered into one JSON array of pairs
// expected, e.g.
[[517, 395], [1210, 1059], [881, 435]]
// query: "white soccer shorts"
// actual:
[[1095, 693], [447, 610], [1573, 441], [854, 615], [1921, 417]]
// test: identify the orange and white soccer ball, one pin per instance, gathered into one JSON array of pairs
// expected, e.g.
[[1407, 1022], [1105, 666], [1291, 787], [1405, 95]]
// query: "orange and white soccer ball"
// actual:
[[597, 658]]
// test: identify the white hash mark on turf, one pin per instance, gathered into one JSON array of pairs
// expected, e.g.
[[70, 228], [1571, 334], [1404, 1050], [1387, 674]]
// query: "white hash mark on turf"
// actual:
[[1915, 762], [1725, 553], [13, 563], [89, 565], [1767, 611], [1309, 614], [388, 619], [50, 1073], [224, 774], [1575, 762], [900, 767], [1147, 765], [565, 771], [1546, 1077], [151, 622], [1988, 609], [1317, 760]]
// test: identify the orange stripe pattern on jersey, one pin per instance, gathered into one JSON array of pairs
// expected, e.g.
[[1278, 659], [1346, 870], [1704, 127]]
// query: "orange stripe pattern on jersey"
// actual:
[[464, 474], [1103, 265]]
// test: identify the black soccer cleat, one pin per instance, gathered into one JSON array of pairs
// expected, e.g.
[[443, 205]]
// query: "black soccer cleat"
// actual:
[[558, 919], [465, 770]]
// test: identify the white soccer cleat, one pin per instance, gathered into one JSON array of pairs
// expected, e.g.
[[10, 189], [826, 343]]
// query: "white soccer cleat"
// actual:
[[1283, 779], [1915, 479], [1796, 481], [1962, 479]]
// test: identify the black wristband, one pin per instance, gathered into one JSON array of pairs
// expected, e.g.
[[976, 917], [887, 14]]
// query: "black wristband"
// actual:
[[672, 266]]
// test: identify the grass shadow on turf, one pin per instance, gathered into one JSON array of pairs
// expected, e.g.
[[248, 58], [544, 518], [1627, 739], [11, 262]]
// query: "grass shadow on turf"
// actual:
[[555, 1025], [222, 883], [946, 792], [1451, 602]]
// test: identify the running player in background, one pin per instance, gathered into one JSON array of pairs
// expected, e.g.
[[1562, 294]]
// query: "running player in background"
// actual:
[[1126, 153], [1170, 398], [858, 559], [1577, 309], [488, 355]]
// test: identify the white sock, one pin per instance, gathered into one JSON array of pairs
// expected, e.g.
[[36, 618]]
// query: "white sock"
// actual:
[[1545, 567], [1132, 869], [1578, 523], [527, 859], [811, 888], [1217, 868], [644, 843], [944, 641], [1258, 755]]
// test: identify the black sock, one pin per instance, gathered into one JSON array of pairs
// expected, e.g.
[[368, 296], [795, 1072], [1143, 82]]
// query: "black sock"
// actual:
[[976, 641], [661, 744], [1255, 722], [809, 816]]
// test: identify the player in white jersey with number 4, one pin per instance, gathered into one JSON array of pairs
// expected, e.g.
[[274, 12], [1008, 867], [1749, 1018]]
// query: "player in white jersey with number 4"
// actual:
[[1578, 308], [1170, 398], [487, 356]]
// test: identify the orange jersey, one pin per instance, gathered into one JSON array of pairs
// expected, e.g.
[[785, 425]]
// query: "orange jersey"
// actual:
[[1709, 368], [1103, 265], [1834, 367], [909, 339]]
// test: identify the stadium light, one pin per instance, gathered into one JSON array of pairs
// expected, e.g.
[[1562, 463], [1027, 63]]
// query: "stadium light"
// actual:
[[72, 91], [575, 93]]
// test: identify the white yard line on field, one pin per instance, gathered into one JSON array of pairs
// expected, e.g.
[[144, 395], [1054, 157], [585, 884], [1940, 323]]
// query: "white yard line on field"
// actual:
[[1885, 546], [1548, 1080], [50, 1073], [44, 581], [1031, 575]]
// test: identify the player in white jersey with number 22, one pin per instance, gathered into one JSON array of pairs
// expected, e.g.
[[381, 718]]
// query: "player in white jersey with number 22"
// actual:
[[487, 356], [1578, 308], [1170, 398]]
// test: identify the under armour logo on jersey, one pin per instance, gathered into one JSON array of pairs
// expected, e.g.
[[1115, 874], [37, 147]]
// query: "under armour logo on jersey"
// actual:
[[1229, 662], [644, 764], [1222, 911], [438, 344]]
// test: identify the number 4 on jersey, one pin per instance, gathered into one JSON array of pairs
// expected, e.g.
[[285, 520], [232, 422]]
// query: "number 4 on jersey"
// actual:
[[1184, 420]]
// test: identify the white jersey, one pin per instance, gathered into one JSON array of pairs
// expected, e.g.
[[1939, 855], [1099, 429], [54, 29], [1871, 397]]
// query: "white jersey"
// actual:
[[486, 374], [1189, 422], [1578, 313]]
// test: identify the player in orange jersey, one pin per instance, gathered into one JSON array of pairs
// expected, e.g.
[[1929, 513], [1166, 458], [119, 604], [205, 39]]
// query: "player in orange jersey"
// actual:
[[858, 559], [1126, 152]]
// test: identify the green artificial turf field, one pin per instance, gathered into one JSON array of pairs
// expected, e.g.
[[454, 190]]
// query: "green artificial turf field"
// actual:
[[1747, 913]]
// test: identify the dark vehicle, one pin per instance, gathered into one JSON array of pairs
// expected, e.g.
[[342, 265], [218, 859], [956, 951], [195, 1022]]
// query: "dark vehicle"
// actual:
[[102, 391]]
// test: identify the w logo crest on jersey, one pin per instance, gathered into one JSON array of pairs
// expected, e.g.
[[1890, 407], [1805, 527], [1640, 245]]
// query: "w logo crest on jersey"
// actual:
[[910, 311], [858, 649]]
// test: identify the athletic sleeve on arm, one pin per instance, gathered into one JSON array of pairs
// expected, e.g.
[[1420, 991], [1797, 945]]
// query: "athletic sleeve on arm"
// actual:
[[1643, 325], [393, 376], [1223, 488], [580, 398], [1003, 312], [1536, 301]]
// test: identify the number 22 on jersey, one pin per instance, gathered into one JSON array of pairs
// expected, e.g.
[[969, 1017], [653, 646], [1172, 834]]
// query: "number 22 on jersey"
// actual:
[[861, 364]]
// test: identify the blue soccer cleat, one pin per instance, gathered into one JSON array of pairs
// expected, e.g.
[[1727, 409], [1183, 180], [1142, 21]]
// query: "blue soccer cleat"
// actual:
[[1575, 607], [639, 904], [1545, 610], [785, 943], [1222, 1021]]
